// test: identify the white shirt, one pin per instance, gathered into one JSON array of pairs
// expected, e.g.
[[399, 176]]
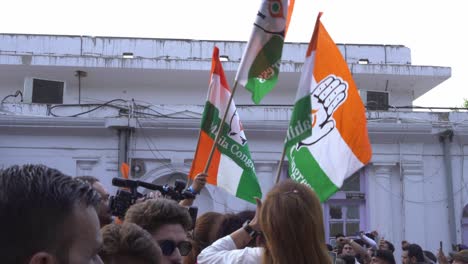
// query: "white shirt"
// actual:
[[224, 250]]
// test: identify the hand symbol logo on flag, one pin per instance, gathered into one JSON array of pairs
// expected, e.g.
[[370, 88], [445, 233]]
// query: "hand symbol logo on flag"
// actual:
[[329, 94]]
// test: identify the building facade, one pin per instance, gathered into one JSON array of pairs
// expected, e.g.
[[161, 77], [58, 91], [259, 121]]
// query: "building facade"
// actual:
[[141, 100]]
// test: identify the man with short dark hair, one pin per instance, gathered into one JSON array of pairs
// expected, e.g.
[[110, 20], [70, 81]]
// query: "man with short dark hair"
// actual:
[[168, 223], [412, 254], [104, 213], [383, 257], [128, 243], [47, 217], [386, 245]]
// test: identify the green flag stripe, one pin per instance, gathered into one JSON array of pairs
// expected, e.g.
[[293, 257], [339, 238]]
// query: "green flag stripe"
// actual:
[[263, 74], [300, 125], [248, 187], [210, 120], [226, 145], [304, 168]]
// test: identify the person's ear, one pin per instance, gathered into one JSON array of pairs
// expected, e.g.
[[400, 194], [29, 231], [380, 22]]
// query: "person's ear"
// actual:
[[42, 258]]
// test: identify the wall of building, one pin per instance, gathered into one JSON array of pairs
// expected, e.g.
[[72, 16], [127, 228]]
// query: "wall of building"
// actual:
[[403, 186]]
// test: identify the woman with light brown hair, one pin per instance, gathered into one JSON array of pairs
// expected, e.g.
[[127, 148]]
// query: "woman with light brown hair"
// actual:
[[291, 223], [204, 233]]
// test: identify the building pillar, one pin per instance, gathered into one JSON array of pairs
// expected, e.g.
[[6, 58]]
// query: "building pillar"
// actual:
[[414, 227], [383, 220], [265, 175]]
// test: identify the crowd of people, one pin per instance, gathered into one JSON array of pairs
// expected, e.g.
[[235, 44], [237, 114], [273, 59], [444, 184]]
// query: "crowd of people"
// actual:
[[47, 217]]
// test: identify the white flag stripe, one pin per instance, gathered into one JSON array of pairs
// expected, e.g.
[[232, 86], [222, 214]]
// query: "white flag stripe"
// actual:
[[331, 153], [307, 81], [254, 46], [229, 174], [219, 97]]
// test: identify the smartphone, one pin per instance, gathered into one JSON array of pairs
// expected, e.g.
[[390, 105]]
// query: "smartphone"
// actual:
[[440, 245]]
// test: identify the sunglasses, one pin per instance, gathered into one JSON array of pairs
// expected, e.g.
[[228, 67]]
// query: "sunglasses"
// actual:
[[168, 247]]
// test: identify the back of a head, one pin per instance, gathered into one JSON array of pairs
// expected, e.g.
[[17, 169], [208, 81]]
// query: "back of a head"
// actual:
[[128, 243], [414, 250], [430, 255], [347, 259], [204, 234], [35, 204], [154, 213], [232, 222], [291, 215], [385, 255], [390, 246], [88, 179]]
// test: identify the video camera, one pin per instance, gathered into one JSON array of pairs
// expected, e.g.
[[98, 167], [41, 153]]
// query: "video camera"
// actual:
[[124, 198]]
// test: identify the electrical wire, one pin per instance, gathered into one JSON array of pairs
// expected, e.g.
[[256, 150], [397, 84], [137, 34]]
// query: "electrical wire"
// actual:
[[149, 142], [108, 103], [400, 196], [18, 92]]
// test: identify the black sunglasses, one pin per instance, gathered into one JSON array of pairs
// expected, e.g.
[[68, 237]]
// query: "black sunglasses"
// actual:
[[168, 247]]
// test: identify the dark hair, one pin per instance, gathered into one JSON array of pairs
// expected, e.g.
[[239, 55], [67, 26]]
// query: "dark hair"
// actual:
[[414, 250], [154, 213], [360, 242], [128, 240], [232, 222], [35, 202], [370, 235], [339, 235], [329, 247], [391, 247], [348, 259], [430, 255], [88, 179], [385, 255]]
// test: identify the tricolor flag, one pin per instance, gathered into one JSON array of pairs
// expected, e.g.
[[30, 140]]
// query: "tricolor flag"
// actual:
[[259, 68], [327, 138], [231, 166]]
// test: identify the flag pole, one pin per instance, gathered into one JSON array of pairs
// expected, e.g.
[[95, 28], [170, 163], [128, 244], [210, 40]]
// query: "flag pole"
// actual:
[[220, 129], [280, 165]]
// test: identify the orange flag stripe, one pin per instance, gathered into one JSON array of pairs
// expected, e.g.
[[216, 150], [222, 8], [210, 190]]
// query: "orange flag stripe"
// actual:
[[329, 60], [205, 143]]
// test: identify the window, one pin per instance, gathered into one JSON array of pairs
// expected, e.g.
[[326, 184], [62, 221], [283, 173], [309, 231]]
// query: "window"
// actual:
[[344, 219], [377, 100], [344, 212]]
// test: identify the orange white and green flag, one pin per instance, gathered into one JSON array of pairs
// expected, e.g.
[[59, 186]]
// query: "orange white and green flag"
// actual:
[[231, 167], [327, 139], [259, 68]]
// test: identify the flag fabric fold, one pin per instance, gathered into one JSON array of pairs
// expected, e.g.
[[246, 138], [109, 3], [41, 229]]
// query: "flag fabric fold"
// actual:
[[327, 139], [259, 68], [231, 167]]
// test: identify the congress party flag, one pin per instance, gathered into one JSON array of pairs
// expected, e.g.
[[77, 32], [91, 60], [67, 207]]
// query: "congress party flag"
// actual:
[[327, 139], [259, 68], [231, 166]]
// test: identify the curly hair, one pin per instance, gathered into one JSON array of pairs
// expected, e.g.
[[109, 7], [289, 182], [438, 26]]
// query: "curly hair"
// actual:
[[154, 213], [128, 240]]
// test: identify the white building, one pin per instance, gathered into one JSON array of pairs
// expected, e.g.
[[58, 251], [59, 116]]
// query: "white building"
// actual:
[[141, 100]]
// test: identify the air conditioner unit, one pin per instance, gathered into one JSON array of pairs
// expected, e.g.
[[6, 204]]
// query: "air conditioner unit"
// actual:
[[376, 100], [138, 168], [43, 91]]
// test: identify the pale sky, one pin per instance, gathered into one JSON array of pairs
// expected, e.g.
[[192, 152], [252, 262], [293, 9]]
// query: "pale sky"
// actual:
[[434, 30]]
